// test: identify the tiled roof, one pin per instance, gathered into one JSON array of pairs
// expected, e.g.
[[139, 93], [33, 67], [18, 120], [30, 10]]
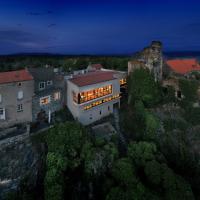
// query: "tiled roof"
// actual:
[[183, 66], [92, 78], [15, 76]]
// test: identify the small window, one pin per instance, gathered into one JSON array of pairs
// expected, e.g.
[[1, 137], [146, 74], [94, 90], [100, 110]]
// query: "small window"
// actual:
[[41, 85], [0, 98], [2, 113], [45, 100], [108, 107], [56, 96], [19, 84], [20, 95], [49, 82], [100, 112], [179, 95], [19, 108]]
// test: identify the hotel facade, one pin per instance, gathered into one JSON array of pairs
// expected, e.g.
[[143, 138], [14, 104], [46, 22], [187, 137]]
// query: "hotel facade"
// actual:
[[93, 95]]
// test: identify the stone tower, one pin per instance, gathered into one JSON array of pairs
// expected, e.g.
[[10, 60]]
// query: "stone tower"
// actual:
[[150, 58]]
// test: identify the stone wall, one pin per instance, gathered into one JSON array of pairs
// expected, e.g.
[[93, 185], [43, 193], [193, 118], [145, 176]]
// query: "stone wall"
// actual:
[[150, 58]]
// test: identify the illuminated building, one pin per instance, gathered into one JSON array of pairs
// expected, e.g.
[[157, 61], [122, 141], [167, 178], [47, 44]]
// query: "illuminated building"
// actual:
[[93, 95]]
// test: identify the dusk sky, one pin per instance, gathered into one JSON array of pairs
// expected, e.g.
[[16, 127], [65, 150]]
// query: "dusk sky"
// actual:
[[98, 27]]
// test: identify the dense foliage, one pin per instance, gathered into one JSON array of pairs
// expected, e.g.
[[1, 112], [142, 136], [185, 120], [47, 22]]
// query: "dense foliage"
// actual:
[[68, 63]]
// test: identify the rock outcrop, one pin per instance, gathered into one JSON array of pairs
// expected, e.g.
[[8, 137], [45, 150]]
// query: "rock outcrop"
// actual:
[[20, 158]]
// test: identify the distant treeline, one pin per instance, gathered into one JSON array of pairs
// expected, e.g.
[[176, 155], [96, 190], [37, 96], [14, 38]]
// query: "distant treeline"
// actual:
[[8, 63]]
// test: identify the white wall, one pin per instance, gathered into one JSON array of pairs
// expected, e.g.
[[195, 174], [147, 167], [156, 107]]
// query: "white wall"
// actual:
[[89, 116]]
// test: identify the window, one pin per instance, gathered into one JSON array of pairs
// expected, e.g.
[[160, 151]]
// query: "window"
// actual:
[[2, 114], [100, 112], [0, 98], [19, 84], [108, 107], [45, 100], [92, 94], [41, 85], [20, 95], [19, 108], [56, 96], [49, 82], [179, 95]]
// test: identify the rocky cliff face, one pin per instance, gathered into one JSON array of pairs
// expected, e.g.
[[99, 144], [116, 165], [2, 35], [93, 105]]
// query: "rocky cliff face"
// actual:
[[151, 58], [20, 158]]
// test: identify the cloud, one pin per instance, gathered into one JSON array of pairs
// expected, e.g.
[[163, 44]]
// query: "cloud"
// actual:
[[48, 12], [23, 39]]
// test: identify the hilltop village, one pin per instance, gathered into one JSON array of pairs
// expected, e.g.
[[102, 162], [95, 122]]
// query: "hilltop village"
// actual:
[[144, 125], [33, 95]]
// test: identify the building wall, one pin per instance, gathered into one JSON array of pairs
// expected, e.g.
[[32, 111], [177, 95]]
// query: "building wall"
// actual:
[[93, 114], [51, 107], [9, 94]]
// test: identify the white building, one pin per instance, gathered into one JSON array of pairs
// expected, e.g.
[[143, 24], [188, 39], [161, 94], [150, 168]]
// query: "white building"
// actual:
[[93, 95]]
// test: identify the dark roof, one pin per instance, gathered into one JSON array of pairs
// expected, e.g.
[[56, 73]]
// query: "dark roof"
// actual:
[[15, 76], [183, 66], [93, 78], [42, 73]]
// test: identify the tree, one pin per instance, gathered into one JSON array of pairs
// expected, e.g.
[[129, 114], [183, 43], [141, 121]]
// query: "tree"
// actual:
[[142, 152], [124, 172], [142, 87], [153, 172]]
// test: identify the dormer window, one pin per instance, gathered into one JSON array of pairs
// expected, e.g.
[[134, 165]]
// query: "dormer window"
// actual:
[[49, 82], [41, 85], [20, 95]]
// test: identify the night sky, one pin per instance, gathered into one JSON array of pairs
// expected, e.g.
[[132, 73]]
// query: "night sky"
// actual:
[[97, 27]]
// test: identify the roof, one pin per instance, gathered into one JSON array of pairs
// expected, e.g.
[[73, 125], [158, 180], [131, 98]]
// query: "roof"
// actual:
[[183, 66], [15, 76], [93, 78], [42, 73]]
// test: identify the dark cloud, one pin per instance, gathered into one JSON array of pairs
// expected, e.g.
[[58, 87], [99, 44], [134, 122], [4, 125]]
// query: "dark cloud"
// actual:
[[48, 12], [23, 38]]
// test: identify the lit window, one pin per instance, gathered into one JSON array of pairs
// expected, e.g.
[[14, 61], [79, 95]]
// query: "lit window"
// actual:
[[49, 82], [45, 100], [57, 96], [0, 98], [20, 95], [123, 81], [19, 108], [41, 85], [2, 114]]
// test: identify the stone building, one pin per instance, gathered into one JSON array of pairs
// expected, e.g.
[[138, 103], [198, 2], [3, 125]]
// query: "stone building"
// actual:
[[48, 98], [16, 92], [150, 58]]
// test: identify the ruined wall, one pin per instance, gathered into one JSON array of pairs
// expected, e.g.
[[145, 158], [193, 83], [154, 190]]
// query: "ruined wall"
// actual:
[[150, 58]]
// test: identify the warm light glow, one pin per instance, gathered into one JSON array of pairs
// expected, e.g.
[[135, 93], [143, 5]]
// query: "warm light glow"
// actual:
[[45, 100], [96, 103], [92, 94], [123, 81]]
